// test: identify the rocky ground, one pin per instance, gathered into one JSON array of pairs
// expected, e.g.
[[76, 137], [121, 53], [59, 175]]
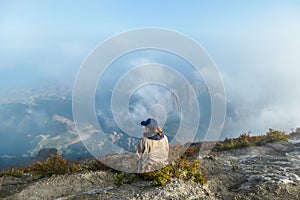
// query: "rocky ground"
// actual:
[[271, 171]]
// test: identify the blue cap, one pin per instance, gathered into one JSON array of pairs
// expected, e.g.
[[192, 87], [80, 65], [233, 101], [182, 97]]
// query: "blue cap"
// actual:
[[151, 123]]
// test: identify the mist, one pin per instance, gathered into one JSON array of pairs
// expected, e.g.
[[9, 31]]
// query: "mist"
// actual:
[[255, 48], [261, 74]]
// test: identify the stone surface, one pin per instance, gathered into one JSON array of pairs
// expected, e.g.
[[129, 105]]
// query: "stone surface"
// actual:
[[271, 171]]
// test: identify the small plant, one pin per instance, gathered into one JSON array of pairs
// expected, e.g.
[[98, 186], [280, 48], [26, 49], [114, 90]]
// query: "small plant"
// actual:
[[211, 156], [181, 168], [234, 166], [12, 172], [160, 177], [274, 135], [55, 165], [120, 178]]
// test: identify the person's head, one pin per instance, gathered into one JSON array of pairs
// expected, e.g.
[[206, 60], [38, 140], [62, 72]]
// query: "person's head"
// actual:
[[151, 126]]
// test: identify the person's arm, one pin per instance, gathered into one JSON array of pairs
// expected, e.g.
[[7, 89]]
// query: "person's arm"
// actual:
[[168, 147], [140, 147]]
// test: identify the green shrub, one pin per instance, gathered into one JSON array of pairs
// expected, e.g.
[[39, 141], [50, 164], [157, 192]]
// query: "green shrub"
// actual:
[[246, 140], [55, 165], [181, 168], [120, 178], [12, 172], [236, 167]]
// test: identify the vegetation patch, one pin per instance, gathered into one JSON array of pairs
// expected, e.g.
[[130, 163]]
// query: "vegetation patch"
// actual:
[[245, 140], [55, 165], [12, 172], [181, 168], [120, 178], [94, 165]]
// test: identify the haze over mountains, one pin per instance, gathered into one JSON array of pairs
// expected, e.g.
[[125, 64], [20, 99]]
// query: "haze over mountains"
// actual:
[[40, 116], [35, 118]]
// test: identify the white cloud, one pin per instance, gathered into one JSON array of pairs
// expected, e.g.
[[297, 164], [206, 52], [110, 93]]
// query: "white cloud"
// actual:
[[7, 156], [260, 66]]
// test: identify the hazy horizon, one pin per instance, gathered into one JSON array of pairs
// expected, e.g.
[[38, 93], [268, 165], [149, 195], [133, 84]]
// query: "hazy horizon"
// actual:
[[255, 46]]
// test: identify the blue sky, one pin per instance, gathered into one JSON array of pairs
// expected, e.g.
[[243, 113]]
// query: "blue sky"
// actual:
[[255, 45]]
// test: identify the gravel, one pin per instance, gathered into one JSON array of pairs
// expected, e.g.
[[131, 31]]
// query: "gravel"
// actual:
[[264, 172]]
